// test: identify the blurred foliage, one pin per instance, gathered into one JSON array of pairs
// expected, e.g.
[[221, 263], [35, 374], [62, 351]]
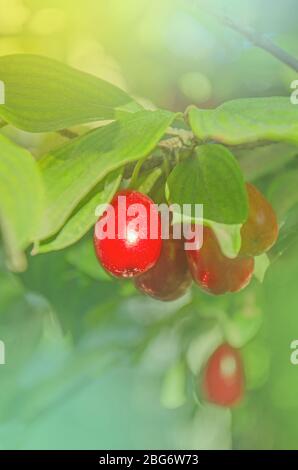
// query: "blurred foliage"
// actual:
[[91, 363]]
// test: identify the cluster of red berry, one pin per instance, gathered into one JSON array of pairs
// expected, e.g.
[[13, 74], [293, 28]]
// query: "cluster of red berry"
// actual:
[[164, 270]]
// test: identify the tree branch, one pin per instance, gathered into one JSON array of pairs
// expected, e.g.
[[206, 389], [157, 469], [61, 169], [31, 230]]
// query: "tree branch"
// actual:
[[260, 40]]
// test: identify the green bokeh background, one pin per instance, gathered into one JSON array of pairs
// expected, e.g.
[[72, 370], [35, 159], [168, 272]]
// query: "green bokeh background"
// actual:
[[92, 364]]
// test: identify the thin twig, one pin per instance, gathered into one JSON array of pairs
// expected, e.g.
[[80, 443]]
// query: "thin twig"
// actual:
[[259, 40], [156, 159]]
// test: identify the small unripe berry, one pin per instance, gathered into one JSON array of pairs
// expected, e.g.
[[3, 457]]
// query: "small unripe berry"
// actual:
[[132, 250], [260, 231]]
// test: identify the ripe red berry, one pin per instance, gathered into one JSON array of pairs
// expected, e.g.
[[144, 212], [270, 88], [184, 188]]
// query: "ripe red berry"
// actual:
[[223, 378], [214, 272], [131, 248], [169, 278], [260, 231]]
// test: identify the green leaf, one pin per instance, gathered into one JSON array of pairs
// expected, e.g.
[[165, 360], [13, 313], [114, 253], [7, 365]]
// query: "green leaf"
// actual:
[[247, 120], [228, 237], [212, 177], [21, 200], [43, 95], [82, 257], [72, 171], [262, 263], [83, 217]]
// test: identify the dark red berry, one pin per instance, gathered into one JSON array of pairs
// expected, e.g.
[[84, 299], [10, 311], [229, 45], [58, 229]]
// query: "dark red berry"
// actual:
[[136, 244], [223, 378], [169, 278], [260, 231], [214, 272]]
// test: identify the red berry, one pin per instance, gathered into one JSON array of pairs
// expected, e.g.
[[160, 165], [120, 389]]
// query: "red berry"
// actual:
[[169, 278], [223, 378], [132, 250], [214, 272], [260, 231]]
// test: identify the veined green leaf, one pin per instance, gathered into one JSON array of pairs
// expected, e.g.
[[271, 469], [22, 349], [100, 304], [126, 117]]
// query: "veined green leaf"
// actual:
[[265, 160], [212, 177], [247, 120], [21, 200], [72, 171], [44, 95], [288, 233], [83, 217]]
